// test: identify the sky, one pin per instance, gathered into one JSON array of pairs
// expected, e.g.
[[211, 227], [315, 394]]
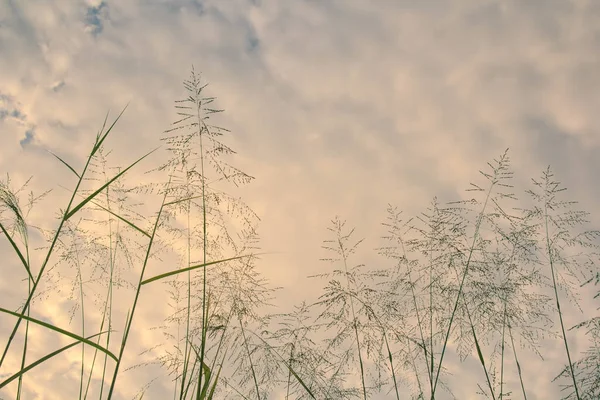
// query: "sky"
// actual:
[[336, 107]]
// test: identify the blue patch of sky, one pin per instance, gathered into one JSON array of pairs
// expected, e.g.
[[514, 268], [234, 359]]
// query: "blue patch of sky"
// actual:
[[29, 136], [17, 114], [94, 18], [8, 110]]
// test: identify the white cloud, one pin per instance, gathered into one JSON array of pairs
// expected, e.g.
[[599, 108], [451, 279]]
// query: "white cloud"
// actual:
[[336, 107]]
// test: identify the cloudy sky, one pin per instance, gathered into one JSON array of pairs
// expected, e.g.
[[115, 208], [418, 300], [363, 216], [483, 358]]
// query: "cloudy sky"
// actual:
[[337, 107]]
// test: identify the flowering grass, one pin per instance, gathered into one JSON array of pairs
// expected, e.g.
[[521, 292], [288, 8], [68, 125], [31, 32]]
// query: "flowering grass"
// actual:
[[479, 276]]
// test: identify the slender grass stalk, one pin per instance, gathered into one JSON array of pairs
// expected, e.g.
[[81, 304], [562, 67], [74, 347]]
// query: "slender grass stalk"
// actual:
[[129, 320], [501, 394], [184, 387], [109, 301], [337, 246], [249, 354], [458, 297], [24, 356], [431, 369], [396, 236], [479, 353], [81, 296], [556, 297], [189, 296], [549, 211], [415, 371], [207, 390], [477, 346], [204, 237], [512, 341], [111, 260], [289, 377], [387, 346], [358, 348], [494, 179]]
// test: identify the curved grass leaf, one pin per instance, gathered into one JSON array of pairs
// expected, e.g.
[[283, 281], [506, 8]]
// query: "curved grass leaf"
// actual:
[[41, 360], [65, 163], [91, 196], [100, 140], [62, 331], [131, 224], [179, 271], [14, 245]]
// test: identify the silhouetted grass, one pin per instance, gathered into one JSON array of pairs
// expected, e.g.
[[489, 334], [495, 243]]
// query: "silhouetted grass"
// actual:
[[478, 275]]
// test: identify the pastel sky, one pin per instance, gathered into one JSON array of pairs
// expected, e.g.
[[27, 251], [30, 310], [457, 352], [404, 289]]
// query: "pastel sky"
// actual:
[[336, 107]]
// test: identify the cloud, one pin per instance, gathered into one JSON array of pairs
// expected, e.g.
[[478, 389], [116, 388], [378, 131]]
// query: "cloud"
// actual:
[[337, 107]]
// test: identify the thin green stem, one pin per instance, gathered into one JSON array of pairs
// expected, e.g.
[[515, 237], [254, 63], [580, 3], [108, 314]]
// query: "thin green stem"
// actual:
[[460, 290], [137, 292], [354, 322], [512, 341], [560, 316], [201, 127], [250, 359], [501, 395]]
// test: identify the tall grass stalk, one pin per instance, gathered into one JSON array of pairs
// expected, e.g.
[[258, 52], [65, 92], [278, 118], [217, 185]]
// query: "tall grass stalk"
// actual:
[[339, 246], [563, 246], [495, 179]]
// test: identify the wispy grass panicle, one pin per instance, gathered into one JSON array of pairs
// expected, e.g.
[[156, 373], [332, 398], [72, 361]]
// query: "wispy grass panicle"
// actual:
[[422, 249], [566, 250], [206, 223], [292, 339], [587, 367], [345, 308]]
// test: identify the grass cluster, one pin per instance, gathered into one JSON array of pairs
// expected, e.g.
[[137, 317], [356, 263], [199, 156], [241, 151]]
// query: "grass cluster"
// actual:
[[483, 278]]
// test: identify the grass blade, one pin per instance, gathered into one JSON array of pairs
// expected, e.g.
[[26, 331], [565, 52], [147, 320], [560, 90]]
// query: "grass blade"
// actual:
[[182, 200], [100, 140], [62, 331], [91, 196], [201, 394], [214, 385], [65, 163], [14, 245], [179, 271], [131, 224], [41, 360]]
